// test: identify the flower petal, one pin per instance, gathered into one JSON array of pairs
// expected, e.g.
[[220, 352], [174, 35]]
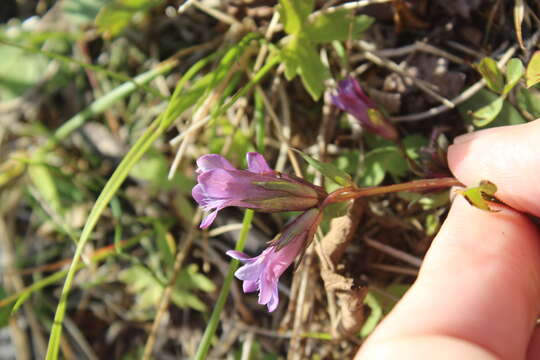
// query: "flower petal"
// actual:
[[213, 161], [257, 164], [238, 255], [249, 286], [209, 219], [274, 300]]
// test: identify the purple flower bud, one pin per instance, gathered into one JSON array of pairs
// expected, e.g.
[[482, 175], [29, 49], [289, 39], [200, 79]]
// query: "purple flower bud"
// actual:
[[259, 187], [352, 99], [261, 273]]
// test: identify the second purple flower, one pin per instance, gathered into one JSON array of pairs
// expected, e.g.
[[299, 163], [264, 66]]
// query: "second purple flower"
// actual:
[[352, 99]]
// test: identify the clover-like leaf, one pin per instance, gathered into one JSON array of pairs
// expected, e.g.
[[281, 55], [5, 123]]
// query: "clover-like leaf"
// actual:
[[533, 70], [514, 72], [491, 73], [479, 196], [488, 113]]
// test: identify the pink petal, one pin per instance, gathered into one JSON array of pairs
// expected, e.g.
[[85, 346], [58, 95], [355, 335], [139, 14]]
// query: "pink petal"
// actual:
[[256, 163], [209, 219], [249, 286], [274, 301], [238, 255], [213, 161]]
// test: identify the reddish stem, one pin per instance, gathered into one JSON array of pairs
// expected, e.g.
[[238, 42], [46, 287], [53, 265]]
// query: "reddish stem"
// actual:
[[352, 192]]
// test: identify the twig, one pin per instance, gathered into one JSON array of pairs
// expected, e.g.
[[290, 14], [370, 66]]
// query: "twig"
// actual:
[[396, 269], [408, 49], [458, 99], [421, 84], [219, 15], [166, 296], [398, 254]]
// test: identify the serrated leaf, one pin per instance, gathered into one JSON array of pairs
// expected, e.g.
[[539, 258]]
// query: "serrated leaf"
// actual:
[[294, 14], [478, 196], [301, 57], [488, 113], [514, 72], [328, 170], [340, 25], [533, 70], [491, 73]]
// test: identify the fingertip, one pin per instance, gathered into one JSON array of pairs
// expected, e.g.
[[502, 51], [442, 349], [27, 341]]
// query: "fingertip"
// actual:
[[506, 156], [479, 282]]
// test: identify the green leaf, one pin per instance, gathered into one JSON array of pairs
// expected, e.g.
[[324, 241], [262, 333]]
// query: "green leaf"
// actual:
[[340, 25], [491, 73], [478, 196], [328, 170], [507, 116], [19, 72], [294, 14], [302, 58], [528, 100], [43, 180], [379, 162], [375, 315], [533, 70], [116, 15], [488, 113], [514, 72]]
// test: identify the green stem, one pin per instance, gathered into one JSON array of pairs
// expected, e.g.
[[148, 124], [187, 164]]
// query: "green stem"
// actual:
[[211, 328]]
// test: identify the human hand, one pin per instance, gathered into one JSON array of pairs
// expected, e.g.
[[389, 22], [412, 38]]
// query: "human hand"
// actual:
[[477, 295]]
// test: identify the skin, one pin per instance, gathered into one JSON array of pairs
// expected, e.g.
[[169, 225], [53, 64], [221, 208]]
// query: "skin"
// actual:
[[478, 292]]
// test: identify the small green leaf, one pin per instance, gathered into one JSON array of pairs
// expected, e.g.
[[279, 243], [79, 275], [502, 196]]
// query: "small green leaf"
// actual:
[[294, 14], [514, 72], [488, 113], [328, 170], [479, 196], [491, 73], [379, 162], [533, 70], [340, 25], [528, 100]]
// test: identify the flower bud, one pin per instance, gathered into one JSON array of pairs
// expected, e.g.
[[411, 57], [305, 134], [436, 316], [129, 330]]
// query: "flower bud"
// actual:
[[352, 99]]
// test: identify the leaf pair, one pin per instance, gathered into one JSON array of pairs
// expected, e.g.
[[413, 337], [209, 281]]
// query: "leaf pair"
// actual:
[[499, 83]]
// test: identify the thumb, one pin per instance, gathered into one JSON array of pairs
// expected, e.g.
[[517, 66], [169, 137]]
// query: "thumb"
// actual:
[[507, 156]]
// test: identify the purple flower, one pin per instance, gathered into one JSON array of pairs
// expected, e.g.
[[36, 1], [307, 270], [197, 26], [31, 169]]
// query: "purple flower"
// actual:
[[259, 187], [262, 272], [352, 99]]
